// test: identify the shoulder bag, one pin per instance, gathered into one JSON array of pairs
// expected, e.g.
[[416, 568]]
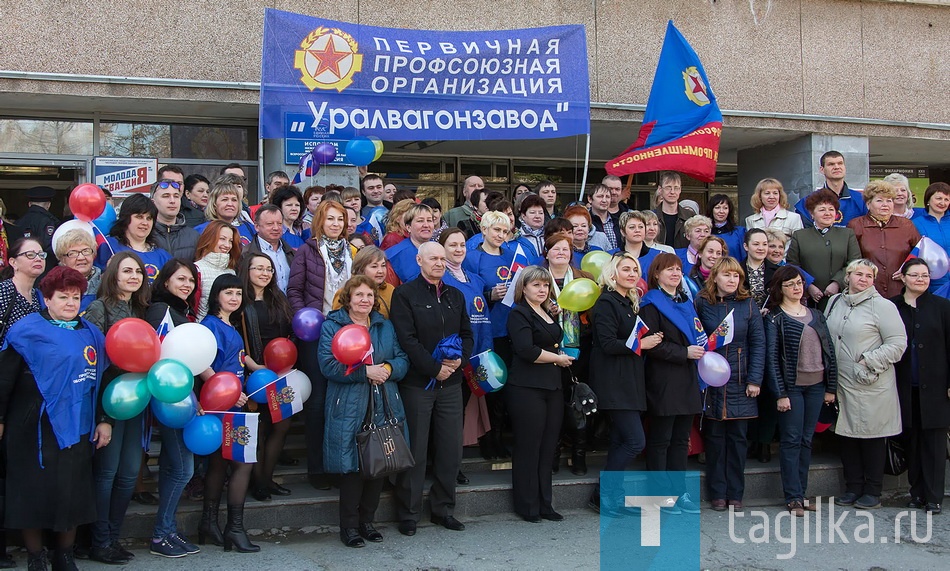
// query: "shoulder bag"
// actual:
[[382, 448]]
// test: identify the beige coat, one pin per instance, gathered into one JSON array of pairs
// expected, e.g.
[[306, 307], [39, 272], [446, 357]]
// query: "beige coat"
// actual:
[[866, 326], [785, 220]]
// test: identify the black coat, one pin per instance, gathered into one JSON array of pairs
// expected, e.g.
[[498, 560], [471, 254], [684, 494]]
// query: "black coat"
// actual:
[[928, 329], [530, 335], [616, 372], [746, 356], [422, 319], [672, 381], [783, 337]]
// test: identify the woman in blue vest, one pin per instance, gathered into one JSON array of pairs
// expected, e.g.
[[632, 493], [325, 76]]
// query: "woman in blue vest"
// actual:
[[224, 305], [124, 293], [133, 230], [50, 368]]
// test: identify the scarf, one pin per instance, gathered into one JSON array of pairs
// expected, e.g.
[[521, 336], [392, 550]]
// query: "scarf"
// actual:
[[529, 231], [4, 244], [570, 321], [335, 251], [681, 314], [768, 215], [64, 324], [456, 271], [703, 271]]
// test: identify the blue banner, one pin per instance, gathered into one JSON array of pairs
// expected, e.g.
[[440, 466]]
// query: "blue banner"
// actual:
[[397, 84]]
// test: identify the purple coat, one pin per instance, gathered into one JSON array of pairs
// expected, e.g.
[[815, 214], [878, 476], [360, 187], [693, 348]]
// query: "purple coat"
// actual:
[[307, 277]]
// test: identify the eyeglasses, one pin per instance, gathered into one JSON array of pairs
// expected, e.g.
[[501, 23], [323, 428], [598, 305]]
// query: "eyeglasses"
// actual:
[[32, 255], [796, 283], [164, 184], [85, 252], [917, 276], [264, 269]]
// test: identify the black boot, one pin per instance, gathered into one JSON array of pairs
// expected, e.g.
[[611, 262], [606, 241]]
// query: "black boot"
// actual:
[[234, 533], [63, 560], [208, 529], [579, 462], [37, 561]]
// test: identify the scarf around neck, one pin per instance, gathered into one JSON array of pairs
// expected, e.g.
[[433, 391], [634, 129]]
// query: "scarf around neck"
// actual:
[[336, 252]]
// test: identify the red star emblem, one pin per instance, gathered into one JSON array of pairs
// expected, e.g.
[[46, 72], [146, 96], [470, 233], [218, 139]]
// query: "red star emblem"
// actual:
[[697, 86], [329, 59]]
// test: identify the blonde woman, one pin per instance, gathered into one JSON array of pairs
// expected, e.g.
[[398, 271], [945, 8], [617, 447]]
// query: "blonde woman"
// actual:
[[225, 204], [771, 209]]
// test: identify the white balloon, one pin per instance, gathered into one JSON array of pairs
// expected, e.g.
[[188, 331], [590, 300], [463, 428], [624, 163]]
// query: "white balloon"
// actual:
[[300, 382], [191, 343], [936, 258], [71, 225]]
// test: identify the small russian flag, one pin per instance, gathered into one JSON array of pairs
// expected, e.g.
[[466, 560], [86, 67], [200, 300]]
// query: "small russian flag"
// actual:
[[639, 330], [366, 360], [166, 325], [915, 253], [723, 334], [520, 260], [239, 430], [282, 401], [308, 167]]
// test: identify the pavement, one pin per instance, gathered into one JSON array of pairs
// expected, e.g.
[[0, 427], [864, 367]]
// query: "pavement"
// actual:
[[503, 541]]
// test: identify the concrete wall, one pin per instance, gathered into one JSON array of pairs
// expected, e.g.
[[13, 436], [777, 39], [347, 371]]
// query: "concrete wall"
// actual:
[[882, 60]]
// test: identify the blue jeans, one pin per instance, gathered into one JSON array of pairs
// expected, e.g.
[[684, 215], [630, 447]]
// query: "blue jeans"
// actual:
[[626, 439], [796, 430], [176, 465], [115, 468]]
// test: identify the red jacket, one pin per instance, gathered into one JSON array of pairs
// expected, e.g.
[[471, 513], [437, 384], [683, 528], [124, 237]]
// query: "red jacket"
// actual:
[[887, 247]]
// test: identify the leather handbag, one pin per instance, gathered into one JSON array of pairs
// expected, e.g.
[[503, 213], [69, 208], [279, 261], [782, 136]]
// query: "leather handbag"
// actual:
[[582, 402], [382, 447]]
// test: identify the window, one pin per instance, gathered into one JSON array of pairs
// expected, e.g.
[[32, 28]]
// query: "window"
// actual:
[[46, 137]]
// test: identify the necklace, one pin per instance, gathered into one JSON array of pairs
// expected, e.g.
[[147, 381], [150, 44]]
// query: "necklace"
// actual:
[[801, 313]]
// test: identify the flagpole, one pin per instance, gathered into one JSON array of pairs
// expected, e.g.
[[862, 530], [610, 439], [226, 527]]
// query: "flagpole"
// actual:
[[586, 162]]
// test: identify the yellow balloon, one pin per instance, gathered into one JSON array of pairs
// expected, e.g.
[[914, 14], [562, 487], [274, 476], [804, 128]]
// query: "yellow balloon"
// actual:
[[593, 262], [379, 147], [579, 295]]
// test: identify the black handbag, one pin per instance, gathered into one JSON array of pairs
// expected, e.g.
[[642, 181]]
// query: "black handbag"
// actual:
[[581, 404], [382, 448], [895, 458]]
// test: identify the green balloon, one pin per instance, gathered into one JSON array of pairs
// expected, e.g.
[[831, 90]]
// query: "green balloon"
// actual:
[[593, 262], [170, 381], [579, 295], [126, 396]]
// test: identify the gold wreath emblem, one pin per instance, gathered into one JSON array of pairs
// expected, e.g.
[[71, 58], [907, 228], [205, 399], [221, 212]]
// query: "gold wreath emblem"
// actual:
[[327, 59]]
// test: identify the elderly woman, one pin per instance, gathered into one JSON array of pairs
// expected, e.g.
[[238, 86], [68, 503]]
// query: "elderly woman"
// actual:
[[884, 239], [771, 209], [722, 212], [696, 228], [76, 249], [49, 379], [584, 238], [823, 249], [25, 263], [923, 381], [532, 215], [370, 261], [225, 204], [868, 337], [903, 197], [932, 222], [348, 398], [134, 230]]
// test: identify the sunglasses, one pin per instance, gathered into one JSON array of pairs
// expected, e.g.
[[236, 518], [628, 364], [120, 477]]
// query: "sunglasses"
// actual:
[[164, 184]]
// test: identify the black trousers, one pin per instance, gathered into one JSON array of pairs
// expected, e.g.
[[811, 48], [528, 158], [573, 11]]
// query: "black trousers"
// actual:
[[926, 456], [359, 499], [536, 416], [863, 462], [314, 410], [440, 408], [726, 447], [668, 442]]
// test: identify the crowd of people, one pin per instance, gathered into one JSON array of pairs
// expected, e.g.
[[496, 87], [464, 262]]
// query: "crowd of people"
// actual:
[[828, 308]]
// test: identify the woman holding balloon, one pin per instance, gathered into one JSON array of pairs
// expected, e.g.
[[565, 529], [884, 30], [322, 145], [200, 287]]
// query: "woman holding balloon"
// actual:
[[934, 224], [730, 405], [266, 318], [348, 397], [225, 304], [76, 249], [133, 230], [672, 383], [124, 293]]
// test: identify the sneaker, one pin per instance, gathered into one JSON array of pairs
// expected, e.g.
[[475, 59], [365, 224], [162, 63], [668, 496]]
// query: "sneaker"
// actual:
[[669, 505], [181, 540], [846, 499], [867, 502], [686, 505], [166, 548]]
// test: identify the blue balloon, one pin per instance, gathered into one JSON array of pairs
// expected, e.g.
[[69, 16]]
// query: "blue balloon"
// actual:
[[203, 434], [360, 151], [175, 414], [257, 381], [692, 288], [106, 220]]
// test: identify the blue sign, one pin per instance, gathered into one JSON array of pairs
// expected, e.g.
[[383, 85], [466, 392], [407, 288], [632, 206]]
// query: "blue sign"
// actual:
[[326, 79], [651, 518], [296, 148]]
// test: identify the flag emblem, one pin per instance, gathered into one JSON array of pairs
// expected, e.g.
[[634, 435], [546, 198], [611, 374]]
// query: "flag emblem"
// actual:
[[90, 355], [286, 395], [328, 59], [695, 86], [241, 435]]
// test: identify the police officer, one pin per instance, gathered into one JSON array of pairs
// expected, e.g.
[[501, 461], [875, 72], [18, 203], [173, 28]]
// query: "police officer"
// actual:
[[38, 223]]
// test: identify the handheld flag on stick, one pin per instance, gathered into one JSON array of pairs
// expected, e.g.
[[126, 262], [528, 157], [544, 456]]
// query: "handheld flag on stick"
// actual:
[[682, 124], [239, 430], [165, 326], [308, 167], [639, 330], [282, 400], [723, 334]]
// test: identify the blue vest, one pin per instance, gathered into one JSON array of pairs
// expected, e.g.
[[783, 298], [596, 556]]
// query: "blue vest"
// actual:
[[153, 260], [493, 270], [474, 292], [230, 354], [67, 366], [402, 257]]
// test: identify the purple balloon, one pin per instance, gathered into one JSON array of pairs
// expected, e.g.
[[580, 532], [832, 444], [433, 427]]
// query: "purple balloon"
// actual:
[[714, 369], [307, 324], [324, 153]]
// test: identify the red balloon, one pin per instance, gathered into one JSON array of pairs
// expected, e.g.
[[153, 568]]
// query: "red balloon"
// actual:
[[220, 392], [133, 345], [351, 343], [87, 202], [641, 287], [280, 355]]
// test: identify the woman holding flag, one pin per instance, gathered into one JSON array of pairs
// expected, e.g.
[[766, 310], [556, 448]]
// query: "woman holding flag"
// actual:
[[672, 382], [733, 325], [266, 317], [224, 305], [616, 367], [348, 397]]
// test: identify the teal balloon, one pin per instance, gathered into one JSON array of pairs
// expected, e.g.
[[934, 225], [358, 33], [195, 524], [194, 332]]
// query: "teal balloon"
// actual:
[[126, 396], [258, 380], [360, 151], [170, 380], [203, 434], [175, 414]]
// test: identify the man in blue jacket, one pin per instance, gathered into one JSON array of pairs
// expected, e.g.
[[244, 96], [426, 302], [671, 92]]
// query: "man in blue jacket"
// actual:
[[851, 200]]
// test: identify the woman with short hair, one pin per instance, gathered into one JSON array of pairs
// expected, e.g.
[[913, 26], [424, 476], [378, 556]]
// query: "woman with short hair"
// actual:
[[26, 262], [722, 212], [903, 197], [226, 204], [290, 202], [76, 249], [696, 228]]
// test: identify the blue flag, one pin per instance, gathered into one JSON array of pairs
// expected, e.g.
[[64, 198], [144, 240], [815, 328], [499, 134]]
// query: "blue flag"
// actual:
[[682, 124]]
